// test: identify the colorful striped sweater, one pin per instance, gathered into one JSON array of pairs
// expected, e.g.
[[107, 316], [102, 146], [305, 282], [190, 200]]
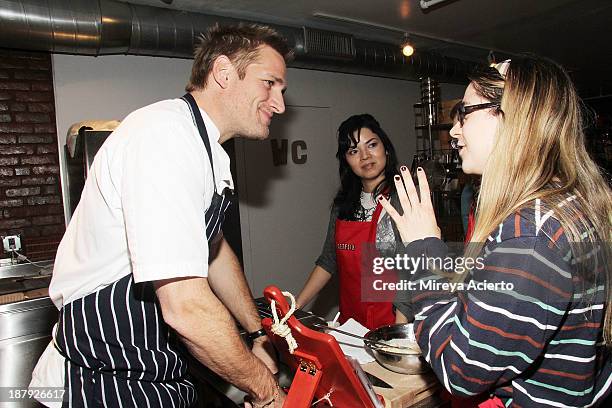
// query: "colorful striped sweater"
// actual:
[[537, 343]]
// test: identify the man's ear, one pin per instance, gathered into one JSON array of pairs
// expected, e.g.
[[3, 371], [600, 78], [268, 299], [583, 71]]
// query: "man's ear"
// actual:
[[222, 70]]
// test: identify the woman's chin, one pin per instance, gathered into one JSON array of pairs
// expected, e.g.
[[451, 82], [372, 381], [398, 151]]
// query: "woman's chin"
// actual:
[[372, 173], [467, 169]]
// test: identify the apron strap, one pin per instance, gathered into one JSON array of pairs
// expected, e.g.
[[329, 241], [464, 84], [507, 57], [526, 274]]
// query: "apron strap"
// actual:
[[375, 217], [197, 118]]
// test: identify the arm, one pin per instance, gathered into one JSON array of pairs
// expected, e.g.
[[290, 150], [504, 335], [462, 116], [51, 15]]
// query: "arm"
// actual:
[[317, 279], [479, 339], [207, 329], [226, 279], [482, 338], [325, 264]]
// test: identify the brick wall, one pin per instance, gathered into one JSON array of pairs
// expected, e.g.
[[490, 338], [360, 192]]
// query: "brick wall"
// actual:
[[30, 193]]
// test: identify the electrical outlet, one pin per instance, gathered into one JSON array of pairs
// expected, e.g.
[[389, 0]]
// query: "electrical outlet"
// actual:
[[11, 243]]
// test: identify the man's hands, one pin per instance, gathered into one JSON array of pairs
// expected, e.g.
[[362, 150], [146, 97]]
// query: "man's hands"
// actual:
[[418, 220], [279, 400], [263, 349]]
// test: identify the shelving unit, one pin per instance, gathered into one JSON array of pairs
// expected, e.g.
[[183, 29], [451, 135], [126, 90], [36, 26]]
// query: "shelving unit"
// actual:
[[441, 164]]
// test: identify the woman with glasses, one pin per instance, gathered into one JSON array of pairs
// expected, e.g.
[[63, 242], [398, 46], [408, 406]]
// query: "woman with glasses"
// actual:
[[530, 323], [358, 226]]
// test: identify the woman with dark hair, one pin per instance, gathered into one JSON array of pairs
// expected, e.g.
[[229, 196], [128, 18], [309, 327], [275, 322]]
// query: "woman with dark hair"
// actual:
[[530, 322], [367, 161]]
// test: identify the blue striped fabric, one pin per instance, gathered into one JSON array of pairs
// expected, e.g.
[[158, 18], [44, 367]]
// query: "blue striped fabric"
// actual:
[[120, 352], [536, 344]]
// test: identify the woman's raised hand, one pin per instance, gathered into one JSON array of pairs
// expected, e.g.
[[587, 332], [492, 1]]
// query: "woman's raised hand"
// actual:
[[418, 220]]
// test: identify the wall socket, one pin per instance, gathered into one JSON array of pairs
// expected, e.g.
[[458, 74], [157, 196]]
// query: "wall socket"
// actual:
[[11, 243]]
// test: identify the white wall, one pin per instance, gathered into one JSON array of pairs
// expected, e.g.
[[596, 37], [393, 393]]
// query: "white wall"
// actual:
[[284, 209]]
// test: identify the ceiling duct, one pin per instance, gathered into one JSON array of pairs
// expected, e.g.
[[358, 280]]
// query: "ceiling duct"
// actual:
[[328, 44], [105, 27]]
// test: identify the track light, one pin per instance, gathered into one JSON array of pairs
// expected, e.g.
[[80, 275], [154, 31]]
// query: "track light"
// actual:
[[407, 47]]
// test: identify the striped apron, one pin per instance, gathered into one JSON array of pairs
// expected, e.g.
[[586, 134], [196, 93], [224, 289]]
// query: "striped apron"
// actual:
[[119, 352]]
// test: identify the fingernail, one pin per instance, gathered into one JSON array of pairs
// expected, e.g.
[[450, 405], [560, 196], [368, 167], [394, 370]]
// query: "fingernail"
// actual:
[[419, 169], [380, 198], [396, 177], [403, 168]]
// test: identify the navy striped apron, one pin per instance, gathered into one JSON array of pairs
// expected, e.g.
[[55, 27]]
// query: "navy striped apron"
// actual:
[[119, 352]]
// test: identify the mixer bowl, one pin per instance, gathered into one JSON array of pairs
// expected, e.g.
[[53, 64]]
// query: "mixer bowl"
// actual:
[[399, 361]]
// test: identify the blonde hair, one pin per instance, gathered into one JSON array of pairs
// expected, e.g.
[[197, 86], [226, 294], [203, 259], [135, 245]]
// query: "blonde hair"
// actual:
[[539, 153]]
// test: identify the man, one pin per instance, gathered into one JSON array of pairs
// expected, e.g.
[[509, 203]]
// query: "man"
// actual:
[[142, 263]]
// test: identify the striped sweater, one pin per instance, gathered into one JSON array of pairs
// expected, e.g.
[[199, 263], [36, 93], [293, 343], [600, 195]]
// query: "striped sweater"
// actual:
[[535, 339]]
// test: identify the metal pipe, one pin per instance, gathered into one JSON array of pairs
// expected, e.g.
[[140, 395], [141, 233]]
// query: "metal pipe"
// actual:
[[103, 27]]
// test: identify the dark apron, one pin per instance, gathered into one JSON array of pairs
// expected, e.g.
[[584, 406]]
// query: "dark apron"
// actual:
[[350, 239], [119, 351]]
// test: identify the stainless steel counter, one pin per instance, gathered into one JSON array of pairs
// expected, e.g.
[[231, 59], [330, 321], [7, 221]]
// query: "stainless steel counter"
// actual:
[[25, 324], [24, 270]]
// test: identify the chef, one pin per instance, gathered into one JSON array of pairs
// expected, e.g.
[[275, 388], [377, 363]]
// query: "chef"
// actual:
[[143, 263]]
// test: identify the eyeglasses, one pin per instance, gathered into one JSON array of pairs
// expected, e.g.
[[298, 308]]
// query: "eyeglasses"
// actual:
[[463, 110]]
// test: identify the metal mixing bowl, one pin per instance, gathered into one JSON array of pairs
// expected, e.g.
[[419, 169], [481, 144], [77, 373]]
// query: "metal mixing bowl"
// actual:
[[398, 362]]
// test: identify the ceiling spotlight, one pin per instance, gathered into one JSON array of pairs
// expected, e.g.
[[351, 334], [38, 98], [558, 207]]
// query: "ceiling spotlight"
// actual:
[[407, 47]]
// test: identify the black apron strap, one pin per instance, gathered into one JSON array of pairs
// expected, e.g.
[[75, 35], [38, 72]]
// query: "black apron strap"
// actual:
[[215, 214], [197, 116]]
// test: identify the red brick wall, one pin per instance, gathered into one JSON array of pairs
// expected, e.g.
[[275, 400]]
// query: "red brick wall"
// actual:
[[30, 193]]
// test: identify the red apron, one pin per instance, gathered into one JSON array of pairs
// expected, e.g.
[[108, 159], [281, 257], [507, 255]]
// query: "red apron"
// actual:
[[471, 223], [492, 402], [350, 239]]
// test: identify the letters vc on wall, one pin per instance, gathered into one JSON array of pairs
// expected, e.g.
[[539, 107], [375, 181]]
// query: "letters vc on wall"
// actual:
[[280, 151]]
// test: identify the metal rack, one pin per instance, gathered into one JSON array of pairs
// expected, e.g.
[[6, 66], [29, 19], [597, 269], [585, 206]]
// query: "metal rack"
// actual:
[[440, 162]]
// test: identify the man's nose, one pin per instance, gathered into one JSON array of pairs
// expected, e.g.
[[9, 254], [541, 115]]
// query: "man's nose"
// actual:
[[277, 102]]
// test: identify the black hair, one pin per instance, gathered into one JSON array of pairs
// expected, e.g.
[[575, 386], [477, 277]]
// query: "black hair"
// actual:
[[348, 197]]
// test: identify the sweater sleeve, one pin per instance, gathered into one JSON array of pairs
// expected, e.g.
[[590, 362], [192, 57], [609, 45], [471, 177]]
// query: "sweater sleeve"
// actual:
[[497, 324], [411, 300], [327, 259]]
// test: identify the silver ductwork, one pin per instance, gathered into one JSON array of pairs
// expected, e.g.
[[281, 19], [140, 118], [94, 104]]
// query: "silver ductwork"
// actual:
[[104, 27]]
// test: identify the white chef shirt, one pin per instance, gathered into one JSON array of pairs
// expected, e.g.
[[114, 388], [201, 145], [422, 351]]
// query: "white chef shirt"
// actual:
[[142, 208], [141, 212]]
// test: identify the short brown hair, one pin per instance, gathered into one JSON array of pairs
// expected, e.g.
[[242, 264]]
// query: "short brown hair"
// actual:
[[239, 42]]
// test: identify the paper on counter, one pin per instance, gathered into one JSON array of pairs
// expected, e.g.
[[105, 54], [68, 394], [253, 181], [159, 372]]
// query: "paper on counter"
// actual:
[[350, 345]]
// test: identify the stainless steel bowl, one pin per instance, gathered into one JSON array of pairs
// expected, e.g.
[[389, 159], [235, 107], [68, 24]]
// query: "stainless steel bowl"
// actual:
[[399, 362]]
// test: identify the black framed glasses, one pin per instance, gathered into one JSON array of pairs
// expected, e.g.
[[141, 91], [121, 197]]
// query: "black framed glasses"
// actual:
[[463, 110]]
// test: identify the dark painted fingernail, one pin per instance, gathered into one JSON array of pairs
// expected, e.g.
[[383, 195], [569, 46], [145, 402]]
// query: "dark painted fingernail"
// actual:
[[396, 177], [403, 168], [380, 198], [419, 169]]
